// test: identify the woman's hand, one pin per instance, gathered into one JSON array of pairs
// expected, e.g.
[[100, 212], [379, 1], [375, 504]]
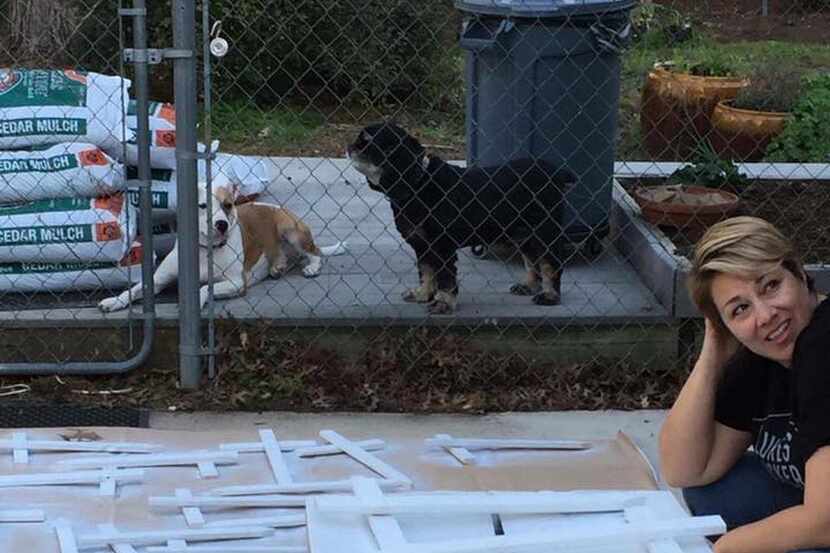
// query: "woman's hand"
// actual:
[[719, 345], [695, 449]]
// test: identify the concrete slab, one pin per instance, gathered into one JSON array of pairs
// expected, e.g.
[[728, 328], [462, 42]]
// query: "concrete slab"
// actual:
[[365, 285]]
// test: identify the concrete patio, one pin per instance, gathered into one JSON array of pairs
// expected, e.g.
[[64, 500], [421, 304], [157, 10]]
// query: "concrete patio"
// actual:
[[364, 286]]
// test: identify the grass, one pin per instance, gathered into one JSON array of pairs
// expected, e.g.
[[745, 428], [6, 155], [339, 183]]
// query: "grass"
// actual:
[[242, 126], [246, 128], [741, 57]]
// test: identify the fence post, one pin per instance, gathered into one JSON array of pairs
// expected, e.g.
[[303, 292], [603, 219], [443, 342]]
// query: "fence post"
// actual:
[[184, 83]]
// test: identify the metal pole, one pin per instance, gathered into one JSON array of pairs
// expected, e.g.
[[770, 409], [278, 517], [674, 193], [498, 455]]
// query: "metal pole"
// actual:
[[184, 84], [141, 88], [206, 37]]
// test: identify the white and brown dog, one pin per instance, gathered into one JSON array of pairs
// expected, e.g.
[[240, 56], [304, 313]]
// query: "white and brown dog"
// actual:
[[250, 243]]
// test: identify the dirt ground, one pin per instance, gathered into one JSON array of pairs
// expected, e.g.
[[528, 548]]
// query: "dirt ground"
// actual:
[[737, 20], [262, 368]]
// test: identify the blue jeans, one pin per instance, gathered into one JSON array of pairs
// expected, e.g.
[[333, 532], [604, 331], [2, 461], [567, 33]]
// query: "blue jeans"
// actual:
[[745, 494]]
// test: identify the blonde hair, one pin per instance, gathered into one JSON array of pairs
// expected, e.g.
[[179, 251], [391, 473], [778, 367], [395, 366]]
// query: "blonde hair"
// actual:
[[743, 246]]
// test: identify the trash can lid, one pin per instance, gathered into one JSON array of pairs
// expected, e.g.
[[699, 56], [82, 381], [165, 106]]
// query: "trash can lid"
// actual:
[[543, 8]]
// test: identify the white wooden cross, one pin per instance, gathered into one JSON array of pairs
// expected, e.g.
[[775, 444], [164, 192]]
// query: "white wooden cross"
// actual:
[[302, 448], [206, 461], [327, 516], [166, 503], [392, 479], [191, 507], [460, 447], [125, 542], [362, 456], [106, 479], [286, 492], [20, 445]]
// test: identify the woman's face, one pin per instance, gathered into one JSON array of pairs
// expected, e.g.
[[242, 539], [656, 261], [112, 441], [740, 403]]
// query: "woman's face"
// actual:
[[766, 314]]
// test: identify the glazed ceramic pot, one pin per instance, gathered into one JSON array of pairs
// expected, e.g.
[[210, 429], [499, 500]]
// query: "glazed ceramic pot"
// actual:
[[744, 134], [676, 111]]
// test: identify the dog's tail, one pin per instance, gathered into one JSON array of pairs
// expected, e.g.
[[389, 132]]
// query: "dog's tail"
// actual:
[[335, 249]]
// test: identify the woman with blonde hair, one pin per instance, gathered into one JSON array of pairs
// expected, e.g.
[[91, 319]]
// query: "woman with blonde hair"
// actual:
[[762, 379]]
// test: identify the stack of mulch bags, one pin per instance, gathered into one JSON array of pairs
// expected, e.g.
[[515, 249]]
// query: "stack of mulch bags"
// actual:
[[68, 198]]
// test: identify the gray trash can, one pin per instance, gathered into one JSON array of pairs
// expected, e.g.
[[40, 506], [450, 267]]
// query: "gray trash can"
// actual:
[[543, 81]]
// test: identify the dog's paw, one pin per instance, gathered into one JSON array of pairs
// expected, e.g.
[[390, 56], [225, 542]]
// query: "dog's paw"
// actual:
[[277, 272], [522, 289], [311, 272], [546, 299], [417, 295], [114, 303], [439, 307]]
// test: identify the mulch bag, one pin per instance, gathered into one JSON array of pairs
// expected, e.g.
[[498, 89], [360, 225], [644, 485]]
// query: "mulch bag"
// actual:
[[162, 115], [52, 277], [49, 106], [60, 171], [250, 174], [162, 125], [162, 148], [67, 230]]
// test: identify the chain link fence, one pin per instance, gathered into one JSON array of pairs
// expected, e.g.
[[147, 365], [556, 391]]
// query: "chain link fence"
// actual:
[[395, 283], [70, 232]]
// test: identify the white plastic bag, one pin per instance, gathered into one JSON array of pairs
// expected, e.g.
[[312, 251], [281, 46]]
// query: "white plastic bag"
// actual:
[[162, 148], [94, 275], [60, 171], [67, 230], [49, 106], [251, 175]]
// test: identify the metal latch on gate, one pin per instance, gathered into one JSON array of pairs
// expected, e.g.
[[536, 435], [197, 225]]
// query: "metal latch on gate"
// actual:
[[154, 56]]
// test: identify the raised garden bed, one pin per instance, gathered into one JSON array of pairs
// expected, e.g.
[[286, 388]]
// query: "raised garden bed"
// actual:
[[661, 255], [798, 208]]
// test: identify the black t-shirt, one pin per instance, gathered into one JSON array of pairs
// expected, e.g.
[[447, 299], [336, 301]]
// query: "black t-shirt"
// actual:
[[786, 410]]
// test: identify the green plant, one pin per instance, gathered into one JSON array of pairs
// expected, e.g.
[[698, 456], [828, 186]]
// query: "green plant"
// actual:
[[806, 136], [710, 171], [375, 51], [655, 25], [709, 62], [772, 87]]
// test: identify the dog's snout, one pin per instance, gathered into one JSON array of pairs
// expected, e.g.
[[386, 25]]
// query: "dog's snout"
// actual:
[[222, 226]]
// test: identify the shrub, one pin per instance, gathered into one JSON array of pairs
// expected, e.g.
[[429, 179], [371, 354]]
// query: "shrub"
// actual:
[[366, 51], [656, 26], [806, 137], [772, 87]]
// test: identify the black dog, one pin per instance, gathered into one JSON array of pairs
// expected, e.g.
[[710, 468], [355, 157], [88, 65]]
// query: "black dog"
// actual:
[[440, 208]]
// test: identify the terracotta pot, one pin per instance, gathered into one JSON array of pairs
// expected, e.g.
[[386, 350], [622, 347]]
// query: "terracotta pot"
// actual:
[[744, 134], [690, 209], [676, 109]]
